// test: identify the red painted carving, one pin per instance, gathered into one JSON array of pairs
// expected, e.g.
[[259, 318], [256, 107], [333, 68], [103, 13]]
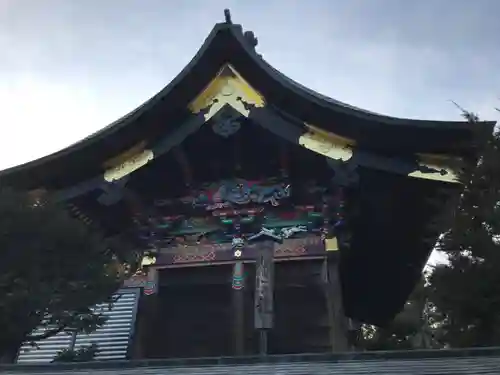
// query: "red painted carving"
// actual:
[[194, 258], [290, 252]]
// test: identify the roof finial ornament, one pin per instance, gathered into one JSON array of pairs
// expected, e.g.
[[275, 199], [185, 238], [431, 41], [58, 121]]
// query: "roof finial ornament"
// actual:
[[227, 16], [251, 39]]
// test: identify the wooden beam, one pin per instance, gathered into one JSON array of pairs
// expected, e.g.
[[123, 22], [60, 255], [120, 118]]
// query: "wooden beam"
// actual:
[[77, 213], [284, 159], [335, 309], [183, 161]]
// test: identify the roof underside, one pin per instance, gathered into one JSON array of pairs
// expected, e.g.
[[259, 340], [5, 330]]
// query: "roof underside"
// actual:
[[225, 45], [387, 252]]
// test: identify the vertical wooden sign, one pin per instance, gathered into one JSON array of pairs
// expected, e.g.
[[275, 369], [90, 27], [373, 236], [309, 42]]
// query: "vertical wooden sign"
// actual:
[[264, 286]]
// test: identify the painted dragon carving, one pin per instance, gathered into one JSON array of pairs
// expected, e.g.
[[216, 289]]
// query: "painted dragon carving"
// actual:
[[239, 192]]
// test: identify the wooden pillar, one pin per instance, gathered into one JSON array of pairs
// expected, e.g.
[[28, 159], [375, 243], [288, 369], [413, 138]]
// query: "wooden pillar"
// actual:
[[333, 293], [264, 290], [141, 329], [147, 314], [238, 308]]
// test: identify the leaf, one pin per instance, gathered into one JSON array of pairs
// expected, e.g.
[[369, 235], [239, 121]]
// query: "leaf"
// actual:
[[53, 269]]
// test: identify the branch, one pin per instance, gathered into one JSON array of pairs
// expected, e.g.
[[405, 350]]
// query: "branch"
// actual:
[[46, 334], [79, 320]]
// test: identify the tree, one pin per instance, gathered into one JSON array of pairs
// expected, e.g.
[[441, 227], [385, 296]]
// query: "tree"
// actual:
[[54, 268], [83, 354], [466, 290], [412, 328]]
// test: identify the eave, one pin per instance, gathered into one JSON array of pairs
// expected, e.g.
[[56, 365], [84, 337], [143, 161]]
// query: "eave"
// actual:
[[226, 46]]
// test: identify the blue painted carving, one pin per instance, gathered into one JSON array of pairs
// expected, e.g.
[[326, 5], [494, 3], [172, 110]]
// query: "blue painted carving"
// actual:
[[278, 234], [230, 193], [235, 192], [242, 211], [226, 122], [266, 233], [270, 194], [291, 231]]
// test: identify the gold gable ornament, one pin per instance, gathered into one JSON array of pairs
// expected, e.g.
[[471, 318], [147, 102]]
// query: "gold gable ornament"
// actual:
[[227, 88]]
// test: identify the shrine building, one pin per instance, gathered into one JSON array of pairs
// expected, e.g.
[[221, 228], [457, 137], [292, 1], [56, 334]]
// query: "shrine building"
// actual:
[[273, 219]]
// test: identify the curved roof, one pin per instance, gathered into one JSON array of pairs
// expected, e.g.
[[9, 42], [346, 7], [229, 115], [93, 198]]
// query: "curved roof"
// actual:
[[228, 44]]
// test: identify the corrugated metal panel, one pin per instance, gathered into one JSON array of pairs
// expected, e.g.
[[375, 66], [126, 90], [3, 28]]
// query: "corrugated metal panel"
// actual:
[[112, 338], [434, 366], [45, 350]]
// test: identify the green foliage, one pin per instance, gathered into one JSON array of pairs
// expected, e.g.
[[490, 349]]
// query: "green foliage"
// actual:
[[84, 354], [466, 291], [413, 328], [459, 303], [53, 269]]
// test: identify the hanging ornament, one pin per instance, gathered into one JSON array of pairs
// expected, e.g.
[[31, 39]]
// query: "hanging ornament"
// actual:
[[149, 288], [226, 123], [226, 128], [237, 244]]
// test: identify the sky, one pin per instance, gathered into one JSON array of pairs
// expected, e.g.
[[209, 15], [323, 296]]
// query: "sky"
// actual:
[[70, 67]]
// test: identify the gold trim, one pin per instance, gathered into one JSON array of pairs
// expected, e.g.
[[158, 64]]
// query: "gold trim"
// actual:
[[340, 148], [327, 144], [438, 162], [331, 244], [227, 88], [148, 261], [450, 175], [337, 139], [130, 165], [124, 156]]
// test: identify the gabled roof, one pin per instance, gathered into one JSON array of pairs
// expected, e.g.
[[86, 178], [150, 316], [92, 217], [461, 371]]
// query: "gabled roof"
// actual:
[[227, 44]]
